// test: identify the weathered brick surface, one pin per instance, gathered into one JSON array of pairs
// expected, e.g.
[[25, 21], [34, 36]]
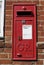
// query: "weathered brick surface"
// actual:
[[40, 51], [7, 50], [41, 46], [3, 55], [6, 45], [39, 62], [5, 62]]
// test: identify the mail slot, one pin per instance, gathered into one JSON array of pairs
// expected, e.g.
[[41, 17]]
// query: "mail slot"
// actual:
[[24, 32], [24, 13]]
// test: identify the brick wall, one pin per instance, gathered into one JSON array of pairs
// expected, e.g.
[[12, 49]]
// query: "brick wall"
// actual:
[[6, 46]]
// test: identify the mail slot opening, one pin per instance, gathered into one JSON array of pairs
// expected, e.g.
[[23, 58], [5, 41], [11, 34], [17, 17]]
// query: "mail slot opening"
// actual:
[[25, 13]]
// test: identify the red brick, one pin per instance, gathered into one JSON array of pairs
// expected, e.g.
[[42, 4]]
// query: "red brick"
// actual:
[[28, 63], [42, 23], [9, 3], [7, 50], [2, 44], [43, 50], [40, 39], [39, 62], [10, 55], [40, 33], [40, 50], [26, 1], [9, 7], [3, 55], [36, 2], [8, 39], [1, 50], [5, 62], [40, 28], [24, 63], [41, 12], [8, 42], [41, 46], [40, 7], [8, 28], [8, 12], [8, 45], [40, 17], [8, 33], [40, 56], [8, 17], [8, 22], [42, 2]]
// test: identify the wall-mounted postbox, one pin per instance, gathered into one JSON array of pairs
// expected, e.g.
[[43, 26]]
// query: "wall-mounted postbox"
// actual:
[[24, 32]]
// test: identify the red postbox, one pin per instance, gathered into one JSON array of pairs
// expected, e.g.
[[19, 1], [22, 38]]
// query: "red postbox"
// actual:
[[24, 32]]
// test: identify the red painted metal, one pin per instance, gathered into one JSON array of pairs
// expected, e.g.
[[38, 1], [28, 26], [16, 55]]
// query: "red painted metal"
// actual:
[[23, 49]]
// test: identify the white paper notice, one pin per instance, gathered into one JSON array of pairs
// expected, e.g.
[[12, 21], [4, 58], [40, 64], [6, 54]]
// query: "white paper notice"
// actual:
[[26, 31]]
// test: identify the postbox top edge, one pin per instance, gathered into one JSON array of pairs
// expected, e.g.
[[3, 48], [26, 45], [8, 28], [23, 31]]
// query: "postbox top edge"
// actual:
[[28, 4]]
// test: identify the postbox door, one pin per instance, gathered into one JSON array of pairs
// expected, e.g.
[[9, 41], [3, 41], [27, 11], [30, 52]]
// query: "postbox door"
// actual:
[[24, 44]]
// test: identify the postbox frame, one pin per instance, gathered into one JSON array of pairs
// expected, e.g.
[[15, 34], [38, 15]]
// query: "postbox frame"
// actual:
[[13, 45]]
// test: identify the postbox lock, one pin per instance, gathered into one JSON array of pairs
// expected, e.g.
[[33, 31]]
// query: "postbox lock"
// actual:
[[23, 21]]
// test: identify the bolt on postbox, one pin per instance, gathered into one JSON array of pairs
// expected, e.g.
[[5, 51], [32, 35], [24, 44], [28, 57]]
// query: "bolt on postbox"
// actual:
[[24, 32]]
